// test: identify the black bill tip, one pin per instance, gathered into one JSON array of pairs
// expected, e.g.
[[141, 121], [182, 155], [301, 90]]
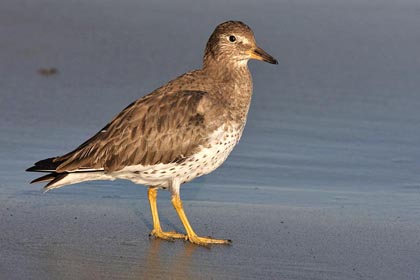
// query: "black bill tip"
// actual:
[[261, 54]]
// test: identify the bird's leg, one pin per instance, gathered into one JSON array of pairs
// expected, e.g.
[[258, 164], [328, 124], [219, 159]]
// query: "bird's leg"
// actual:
[[157, 230], [191, 235]]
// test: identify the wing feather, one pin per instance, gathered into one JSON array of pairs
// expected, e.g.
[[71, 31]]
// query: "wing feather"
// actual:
[[154, 129]]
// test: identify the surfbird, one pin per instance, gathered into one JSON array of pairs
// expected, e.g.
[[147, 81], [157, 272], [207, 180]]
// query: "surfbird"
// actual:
[[182, 130]]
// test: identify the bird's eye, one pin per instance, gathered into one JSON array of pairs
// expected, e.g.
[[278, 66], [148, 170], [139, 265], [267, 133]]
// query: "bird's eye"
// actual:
[[232, 38]]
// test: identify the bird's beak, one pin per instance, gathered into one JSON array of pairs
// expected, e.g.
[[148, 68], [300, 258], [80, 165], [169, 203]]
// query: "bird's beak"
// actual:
[[260, 54]]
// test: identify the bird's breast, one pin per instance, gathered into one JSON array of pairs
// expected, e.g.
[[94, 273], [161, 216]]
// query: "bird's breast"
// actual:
[[213, 154]]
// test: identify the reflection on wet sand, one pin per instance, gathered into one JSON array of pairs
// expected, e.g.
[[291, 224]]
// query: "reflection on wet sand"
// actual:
[[157, 262]]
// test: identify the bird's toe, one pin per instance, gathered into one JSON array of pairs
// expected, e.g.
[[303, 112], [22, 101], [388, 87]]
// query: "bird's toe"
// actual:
[[207, 241], [168, 235]]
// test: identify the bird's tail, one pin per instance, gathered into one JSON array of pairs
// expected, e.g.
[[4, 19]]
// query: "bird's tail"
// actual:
[[48, 165], [58, 179]]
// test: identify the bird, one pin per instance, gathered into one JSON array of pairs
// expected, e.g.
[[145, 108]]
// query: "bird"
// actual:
[[180, 131]]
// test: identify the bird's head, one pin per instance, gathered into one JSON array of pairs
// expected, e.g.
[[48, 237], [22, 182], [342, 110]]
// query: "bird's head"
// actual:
[[234, 42]]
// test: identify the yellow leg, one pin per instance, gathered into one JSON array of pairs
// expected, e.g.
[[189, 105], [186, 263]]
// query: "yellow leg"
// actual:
[[157, 230], [191, 235]]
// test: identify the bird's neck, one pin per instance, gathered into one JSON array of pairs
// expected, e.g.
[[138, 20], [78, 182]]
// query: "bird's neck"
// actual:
[[235, 86]]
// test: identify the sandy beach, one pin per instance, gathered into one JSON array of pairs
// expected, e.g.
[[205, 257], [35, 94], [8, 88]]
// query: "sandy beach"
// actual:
[[325, 183]]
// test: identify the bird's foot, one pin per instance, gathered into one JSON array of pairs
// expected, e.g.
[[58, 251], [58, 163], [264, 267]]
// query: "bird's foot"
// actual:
[[167, 235], [207, 241]]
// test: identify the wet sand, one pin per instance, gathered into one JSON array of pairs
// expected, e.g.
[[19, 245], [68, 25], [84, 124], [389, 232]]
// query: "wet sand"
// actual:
[[325, 183], [100, 231]]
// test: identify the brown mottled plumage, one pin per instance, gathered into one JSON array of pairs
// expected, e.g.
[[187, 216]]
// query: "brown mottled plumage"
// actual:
[[180, 131], [148, 132]]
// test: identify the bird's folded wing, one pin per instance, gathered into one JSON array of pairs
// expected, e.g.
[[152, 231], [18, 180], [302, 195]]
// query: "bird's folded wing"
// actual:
[[154, 129]]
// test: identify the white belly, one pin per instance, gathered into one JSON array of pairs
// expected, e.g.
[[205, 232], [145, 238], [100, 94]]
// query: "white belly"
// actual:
[[221, 144]]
